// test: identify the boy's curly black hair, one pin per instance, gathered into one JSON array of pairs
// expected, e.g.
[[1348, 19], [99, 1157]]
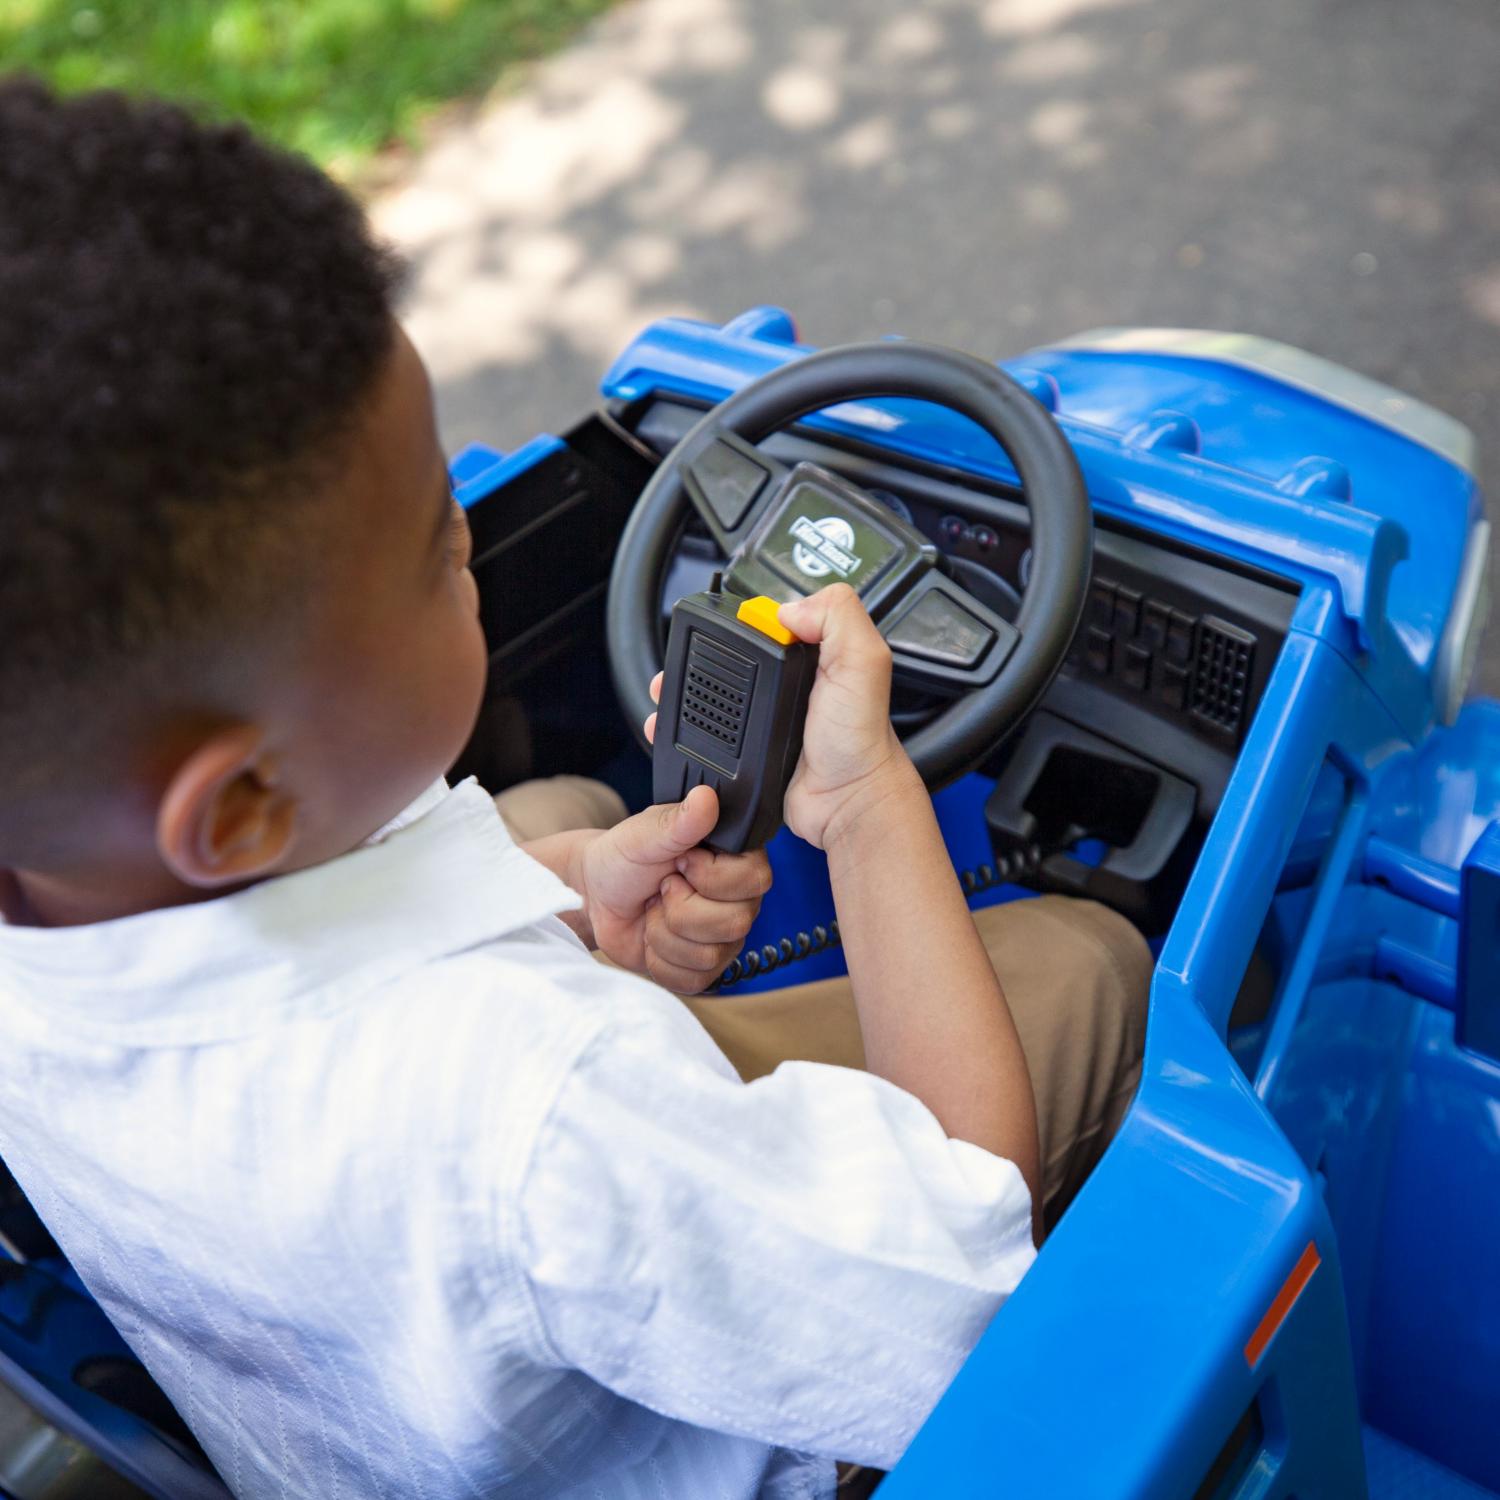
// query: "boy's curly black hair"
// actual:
[[188, 319]]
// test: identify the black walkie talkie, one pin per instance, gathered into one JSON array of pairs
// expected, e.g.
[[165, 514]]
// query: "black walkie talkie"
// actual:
[[733, 700]]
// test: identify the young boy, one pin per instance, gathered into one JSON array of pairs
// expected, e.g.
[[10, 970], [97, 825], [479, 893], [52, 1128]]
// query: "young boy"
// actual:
[[393, 1187]]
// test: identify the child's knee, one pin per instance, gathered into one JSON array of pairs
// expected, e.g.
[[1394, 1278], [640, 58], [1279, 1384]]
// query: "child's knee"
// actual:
[[1076, 976], [1120, 961]]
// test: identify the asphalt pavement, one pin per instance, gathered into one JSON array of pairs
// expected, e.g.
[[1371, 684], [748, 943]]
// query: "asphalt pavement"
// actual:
[[992, 175]]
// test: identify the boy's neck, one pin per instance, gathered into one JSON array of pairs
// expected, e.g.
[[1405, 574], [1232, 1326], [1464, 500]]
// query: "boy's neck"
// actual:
[[14, 908], [31, 899]]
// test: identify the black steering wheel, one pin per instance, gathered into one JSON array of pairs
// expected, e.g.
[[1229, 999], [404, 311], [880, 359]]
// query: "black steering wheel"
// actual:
[[789, 531]]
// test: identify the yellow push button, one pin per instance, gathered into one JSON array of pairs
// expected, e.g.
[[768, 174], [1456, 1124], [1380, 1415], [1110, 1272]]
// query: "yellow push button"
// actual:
[[761, 613]]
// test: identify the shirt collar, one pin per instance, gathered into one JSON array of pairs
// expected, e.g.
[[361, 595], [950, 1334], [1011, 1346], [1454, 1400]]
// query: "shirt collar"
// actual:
[[442, 876], [409, 814]]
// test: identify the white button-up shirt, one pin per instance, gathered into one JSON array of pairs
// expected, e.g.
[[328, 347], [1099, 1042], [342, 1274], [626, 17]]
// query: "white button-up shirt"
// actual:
[[398, 1193]]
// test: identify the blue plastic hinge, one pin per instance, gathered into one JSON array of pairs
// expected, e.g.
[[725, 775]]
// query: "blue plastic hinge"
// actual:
[[1041, 384], [1478, 1024], [1317, 478], [1166, 431], [774, 324]]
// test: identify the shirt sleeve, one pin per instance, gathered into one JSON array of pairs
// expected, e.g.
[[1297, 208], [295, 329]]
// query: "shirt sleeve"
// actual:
[[805, 1260]]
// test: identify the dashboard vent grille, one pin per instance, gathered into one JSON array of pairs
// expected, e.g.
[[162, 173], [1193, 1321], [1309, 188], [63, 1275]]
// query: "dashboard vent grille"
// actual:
[[1221, 673], [716, 690]]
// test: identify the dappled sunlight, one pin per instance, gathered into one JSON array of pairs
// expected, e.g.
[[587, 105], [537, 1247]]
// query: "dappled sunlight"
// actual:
[[1044, 205], [907, 38], [1211, 95], [939, 82], [1416, 207], [823, 46], [1050, 59], [659, 39], [676, 178], [991, 175], [1059, 122], [801, 98], [866, 144], [1062, 127], [567, 215], [947, 122], [541, 161], [1028, 17], [1482, 293], [759, 200], [1257, 143], [537, 164], [499, 256]]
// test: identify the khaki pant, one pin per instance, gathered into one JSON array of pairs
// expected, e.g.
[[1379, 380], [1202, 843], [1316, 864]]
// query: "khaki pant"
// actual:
[[1075, 976]]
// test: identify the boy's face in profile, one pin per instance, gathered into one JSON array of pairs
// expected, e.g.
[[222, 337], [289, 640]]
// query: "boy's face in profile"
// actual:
[[385, 689]]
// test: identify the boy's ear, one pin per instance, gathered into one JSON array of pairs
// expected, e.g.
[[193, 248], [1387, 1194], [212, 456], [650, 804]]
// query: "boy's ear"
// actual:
[[224, 819]]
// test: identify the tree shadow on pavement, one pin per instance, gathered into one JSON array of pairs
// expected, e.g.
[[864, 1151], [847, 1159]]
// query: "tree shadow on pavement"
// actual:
[[991, 175]]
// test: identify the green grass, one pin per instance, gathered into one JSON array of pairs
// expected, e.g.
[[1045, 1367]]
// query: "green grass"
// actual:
[[337, 79]]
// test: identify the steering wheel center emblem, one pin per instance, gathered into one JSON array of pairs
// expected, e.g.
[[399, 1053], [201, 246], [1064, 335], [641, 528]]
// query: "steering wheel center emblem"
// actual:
[[823, 547]]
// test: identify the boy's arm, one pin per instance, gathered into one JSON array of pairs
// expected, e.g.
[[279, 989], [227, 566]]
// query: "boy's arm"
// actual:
[[805, 1260], [931, 1010]]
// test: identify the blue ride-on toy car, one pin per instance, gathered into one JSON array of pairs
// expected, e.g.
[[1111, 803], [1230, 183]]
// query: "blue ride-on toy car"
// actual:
[[1211, 673]]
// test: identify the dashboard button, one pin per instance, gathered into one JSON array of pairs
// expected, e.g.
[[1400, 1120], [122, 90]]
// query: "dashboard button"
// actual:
[[1100, 650], [731, 482], [1156, 619], [1127, 611], [1180, 637], [937, 628], [1137, 669], [1102, 603], [1172, 685]]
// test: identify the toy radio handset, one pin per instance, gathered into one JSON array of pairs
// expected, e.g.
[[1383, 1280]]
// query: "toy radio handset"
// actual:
[[733, 701]]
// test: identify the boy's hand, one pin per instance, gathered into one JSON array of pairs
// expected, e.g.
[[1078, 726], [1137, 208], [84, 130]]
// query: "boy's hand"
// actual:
[[851, 756], [659, 905]]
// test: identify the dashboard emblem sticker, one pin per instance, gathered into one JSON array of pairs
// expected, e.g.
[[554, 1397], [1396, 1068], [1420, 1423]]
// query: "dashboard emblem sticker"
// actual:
[[822, 547]]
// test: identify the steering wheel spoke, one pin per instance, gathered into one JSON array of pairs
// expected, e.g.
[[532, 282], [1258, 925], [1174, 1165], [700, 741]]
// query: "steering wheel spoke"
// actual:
[[729, 483], [944, 640], [818, 528]]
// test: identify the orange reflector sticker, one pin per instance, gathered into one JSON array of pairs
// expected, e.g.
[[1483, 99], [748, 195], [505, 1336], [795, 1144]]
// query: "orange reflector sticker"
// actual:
[[1281, 1304]]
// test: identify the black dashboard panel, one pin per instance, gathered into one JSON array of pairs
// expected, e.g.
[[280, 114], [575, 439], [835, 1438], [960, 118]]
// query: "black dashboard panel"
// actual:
[[1175, 647]]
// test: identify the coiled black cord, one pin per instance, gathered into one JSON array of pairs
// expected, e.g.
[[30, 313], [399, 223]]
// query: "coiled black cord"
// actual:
[[1008, 869]]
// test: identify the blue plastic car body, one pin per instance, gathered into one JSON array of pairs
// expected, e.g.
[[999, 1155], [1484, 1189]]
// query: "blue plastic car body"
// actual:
[[1281, 1280]]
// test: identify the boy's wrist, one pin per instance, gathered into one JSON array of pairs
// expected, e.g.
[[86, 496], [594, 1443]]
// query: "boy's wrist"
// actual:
[[566, 855], [887, 795], [578, 872]]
